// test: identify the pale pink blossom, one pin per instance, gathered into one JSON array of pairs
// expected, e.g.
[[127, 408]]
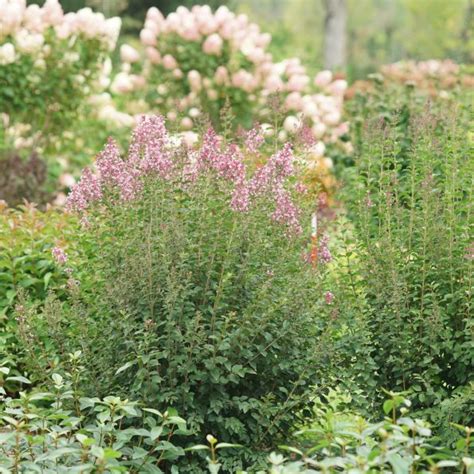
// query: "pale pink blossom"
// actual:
[[148, 37], [153, 55], [169, 62], [129, 54], [323, 78], [213, 45]]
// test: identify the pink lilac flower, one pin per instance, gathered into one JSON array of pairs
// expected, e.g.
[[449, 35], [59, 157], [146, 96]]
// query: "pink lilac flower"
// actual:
[[150, 153], [286, 212], [87, 190], [328, 297], [59, 255], [324, 252], [228, 164], [254, 139], [148, 150], [278, 167], [109, 163], [284, 161], [114, 171], [210, 149], [240, 198]]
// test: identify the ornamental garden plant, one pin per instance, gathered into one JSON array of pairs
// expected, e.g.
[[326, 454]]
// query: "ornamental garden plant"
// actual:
[[201, 277], [194, 62], [260, 272]]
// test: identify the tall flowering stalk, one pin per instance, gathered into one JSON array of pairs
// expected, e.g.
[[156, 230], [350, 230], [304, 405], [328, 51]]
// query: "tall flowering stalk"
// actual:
[[152, 154]]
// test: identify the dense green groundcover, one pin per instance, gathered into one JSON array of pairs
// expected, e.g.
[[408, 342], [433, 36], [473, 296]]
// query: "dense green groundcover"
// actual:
[[60, 431]]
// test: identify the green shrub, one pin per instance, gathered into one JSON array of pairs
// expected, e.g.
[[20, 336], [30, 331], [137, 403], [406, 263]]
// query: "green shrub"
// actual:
[[411, 203], [57, 431], [340, 440], [27, 237]]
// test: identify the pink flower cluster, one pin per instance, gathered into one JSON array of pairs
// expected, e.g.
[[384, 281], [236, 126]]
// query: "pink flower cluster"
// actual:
[[200, 24], [317, 101], [151, 153], [324, 252], [254, 139], [27, 24], [59, 255]]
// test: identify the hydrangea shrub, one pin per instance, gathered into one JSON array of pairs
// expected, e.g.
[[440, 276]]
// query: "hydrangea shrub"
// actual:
[[50, 63]]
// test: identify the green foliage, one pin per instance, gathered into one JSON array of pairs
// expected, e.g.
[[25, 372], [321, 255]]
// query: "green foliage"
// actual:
[[411, 203], [57, 430], [342, 441], [27, 237]]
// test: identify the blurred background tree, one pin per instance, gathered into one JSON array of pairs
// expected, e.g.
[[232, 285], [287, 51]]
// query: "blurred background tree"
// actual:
[[377, 31]]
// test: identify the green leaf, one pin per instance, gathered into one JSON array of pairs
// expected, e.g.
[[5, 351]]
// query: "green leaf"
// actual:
[[198, 447], [46, 279], [156, 432], [228, 445], [152, 410], [124, 367], [18, 378], [388, 406]]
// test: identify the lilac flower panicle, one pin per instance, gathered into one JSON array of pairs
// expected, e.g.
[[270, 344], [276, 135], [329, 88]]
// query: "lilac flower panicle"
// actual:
[[254, 139], [324, 252], [328, 297], [151, 153], [149, 149], [109, 163], [115, 172], [272, 174], [208, 155], [86, 191], [59, 255], [286, 212], [284, 161], [240, 200]]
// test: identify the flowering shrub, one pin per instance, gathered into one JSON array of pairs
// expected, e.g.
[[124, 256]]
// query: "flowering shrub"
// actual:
[[433, 76], [197, 61], [201, 284], [50, 62]]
